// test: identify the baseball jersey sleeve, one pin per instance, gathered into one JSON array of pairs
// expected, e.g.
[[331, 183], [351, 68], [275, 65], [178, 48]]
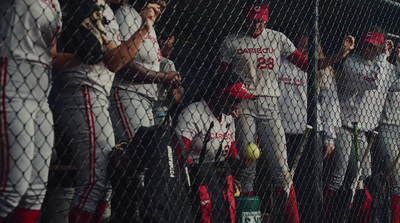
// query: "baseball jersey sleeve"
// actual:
[[287, 47], [188, 123], [330, 108], [129, 21], [112, 33], [226, 52]]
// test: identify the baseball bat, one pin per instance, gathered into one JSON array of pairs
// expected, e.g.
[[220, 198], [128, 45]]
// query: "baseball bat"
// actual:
[[206, 140], [360, 165], [300, 150]]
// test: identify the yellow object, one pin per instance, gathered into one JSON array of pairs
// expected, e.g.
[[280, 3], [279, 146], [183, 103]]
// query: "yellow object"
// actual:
[[252, 152], [237, 193]]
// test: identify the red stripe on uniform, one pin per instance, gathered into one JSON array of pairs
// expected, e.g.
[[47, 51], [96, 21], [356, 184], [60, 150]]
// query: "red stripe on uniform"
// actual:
[[205, 204], [231, 198], [5, 144], [122, 113], [92, 146]]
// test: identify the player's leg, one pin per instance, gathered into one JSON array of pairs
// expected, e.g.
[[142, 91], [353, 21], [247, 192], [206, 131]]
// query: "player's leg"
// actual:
[[17, 151], [343, 147], [364, 212], [273, 147], [31, 202], [129, 111], [83, 119], [389, 142], [338, 192], [245, 134]]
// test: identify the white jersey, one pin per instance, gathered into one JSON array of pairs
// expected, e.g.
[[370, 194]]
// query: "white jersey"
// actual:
[[391, 111], [165, 66], [356, 77], [149, 53], [328, 108], [96, 76], [258, 59], [194, 122], [28, 29], [293, 102], [374, 100], [293, 99]]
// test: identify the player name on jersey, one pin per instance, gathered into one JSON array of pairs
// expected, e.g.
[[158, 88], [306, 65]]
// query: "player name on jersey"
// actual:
[[221, 136], [255, 50]]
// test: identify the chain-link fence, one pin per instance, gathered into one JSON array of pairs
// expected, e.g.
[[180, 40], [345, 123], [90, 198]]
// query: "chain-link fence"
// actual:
[[199, 111]]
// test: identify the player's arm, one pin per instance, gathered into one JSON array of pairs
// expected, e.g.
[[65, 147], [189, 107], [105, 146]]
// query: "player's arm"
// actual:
[[117, 56], [235, 161], [63, 60], [301, 61], [141, 75]]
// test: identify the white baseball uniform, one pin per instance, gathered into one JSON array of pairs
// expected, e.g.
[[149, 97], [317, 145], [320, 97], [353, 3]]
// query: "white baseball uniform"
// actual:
[[362, 90], [389, 131], [83, 124], [132, 104], [258, 60], [193, 124], [293, 102], [28, 29]]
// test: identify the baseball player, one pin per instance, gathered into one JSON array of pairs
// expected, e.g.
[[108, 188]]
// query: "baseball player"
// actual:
[[293, 110], [169, 98], [389, 130], [208, 131], [135, 89], [256, 55], [364, 80], [82, 120], [28, 30]]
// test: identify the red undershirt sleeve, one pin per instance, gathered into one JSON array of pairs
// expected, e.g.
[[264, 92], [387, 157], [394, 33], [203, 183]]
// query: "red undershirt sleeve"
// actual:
[[233, 149], [187, 142], [300, 61], [224, 67]]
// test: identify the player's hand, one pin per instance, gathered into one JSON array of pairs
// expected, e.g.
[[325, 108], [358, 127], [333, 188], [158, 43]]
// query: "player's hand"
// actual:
[[348, 45], [398, 52], [235, 113], [176, 94], [247, 162], [149, 15], [172, 79], [388, 47], [329, 148]]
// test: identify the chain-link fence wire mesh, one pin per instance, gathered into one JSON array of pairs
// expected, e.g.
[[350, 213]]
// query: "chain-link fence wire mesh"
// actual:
[[226, 155]]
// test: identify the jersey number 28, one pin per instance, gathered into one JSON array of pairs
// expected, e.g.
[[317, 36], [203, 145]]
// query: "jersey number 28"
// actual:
[[263, 63]]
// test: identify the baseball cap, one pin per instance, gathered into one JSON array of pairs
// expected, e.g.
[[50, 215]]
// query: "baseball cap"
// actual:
[[256, 12], [231, 83], [238, 90], [372, 37]]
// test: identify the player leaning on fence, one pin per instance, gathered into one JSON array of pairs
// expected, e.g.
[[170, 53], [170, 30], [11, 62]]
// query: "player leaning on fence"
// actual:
[[256, 55], [83, 121], [363, 83], [136, 87]]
